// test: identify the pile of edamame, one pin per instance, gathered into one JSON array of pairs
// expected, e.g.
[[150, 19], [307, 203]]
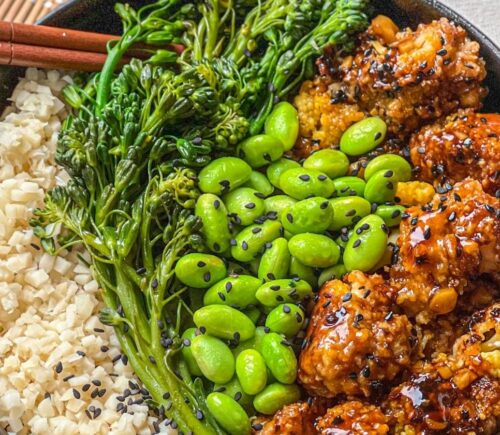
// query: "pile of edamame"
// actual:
[[275, 231]]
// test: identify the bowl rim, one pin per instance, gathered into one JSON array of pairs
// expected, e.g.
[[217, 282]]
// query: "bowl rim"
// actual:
[[447, 10]]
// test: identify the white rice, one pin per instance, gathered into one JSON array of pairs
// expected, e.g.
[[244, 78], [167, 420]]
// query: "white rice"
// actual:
[[49, 305]]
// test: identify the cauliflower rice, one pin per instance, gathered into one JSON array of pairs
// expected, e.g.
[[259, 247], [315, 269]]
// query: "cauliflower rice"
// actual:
[[61, 371]]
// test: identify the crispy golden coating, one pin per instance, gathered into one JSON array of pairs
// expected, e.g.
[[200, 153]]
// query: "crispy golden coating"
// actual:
[[353, 418], [465, 144], [412, 77], [354, 343], [295, 419], [442, 246], [444, 397]]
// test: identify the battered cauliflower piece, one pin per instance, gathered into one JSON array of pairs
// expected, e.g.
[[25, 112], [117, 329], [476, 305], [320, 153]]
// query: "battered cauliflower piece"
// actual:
[[465, 144], [414, 193], [352, 418], [355, 343], [444, 245], [432, 401], [295, 419]]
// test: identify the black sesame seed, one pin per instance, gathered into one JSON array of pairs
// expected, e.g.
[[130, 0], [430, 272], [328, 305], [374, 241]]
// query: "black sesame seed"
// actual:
[[322, 177], [237, 396], [201, 264], [289, 217], [99, 330], [76, 393], [97, 382], [229, 286], [442, 52], [141, 270], [275, 287], [256, 230], [427, 233], [395, 213], [347, 297], [286, 309], [390, 185], [338, 420], [421, 150], [350, 213], [233, 242], [356, 243], [257, 426], [271, 276], [366, 372], [154, 283], [216, 204], [244, 245], [207, 276], [304, 177], [367, 293], [324, 205], [378, 135], [221, 296], [250, 205], [59, 367]]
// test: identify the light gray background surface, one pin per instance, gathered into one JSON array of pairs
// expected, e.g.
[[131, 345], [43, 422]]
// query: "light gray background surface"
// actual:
[[485, 14]]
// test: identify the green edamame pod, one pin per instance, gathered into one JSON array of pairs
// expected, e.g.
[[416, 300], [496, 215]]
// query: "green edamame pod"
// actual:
[[391, 214], [224, 322], [223, 175], [300, 183], [363, 136], [274, 397], [273, 293], [392, 162], [187, 353], [347, 211], [229, 414], [314, 250], [251, 371], [283, 124], [200, 270], [348, 186], [299, 270], [278, 203], [275, 170], [334, 272], [275, 261], [367, 245], [233, 389], [213, 214], [244, 205], [333, 163], [249, 242], [312, 215], [280, 358], [381, 187], [259, 182], [261, 150], [286, 319], [214, 358], [237, 291]]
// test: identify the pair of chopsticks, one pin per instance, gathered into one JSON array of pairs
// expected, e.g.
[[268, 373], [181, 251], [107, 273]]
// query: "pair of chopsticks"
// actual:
[[26, 11], [56, 48]]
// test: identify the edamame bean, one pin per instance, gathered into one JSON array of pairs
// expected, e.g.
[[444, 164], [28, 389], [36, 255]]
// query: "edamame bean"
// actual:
[[213, 214], [273, 293], [200, 270], [391, 214], [233, 389], [348, 186], [278, 203], [314, 250], [279, 357], [393, 162], [275, 170], [260, 183], [333, 163], [236, 291], [390, 251], [261, 150], [253, 313], [244, 205], [187, 353], [381, 187], [312, 215], [286, 319], [234, 268], [251, 371], [229, 414], [274, 397], [223, 175], [214, 358], [275, 261], [224, 322], [334, 272], [347, 211], [367, 244], [300, 183], [249, 242], [363, 136], [299, 270], [283, 124]]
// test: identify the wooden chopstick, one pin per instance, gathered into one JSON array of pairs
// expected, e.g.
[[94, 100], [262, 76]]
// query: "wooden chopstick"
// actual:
[[53, 47]]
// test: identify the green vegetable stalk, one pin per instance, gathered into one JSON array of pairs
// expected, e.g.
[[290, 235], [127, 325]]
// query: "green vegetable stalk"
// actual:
[[133, 143]]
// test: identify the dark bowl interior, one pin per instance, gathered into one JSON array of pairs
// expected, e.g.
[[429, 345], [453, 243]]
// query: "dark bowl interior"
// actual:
[[98, 16]]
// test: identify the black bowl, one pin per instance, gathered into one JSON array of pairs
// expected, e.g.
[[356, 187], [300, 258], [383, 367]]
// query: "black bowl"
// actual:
[[99, 16]]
